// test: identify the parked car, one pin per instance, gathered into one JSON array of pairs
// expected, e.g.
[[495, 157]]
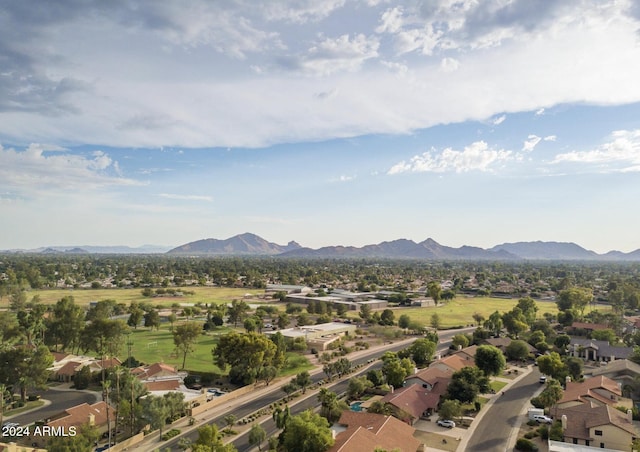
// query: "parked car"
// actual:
[[543, 379], [446, 423], [542, 419]]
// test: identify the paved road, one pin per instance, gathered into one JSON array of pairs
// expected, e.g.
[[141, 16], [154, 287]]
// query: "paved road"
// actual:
[[242, 409], [497, 424], [60, 401]]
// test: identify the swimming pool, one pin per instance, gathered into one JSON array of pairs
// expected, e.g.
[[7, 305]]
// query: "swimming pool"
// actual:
[[356, 406]]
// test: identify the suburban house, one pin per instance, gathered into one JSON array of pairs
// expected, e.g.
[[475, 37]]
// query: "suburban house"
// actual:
[[468, 353], [594, 350], [430, 377], [364, 432], [580, 328], [411, 403], [622, 371], [79, 415], [595, 391], [157, 370], [453, 363], [66, 365], [598, 426]]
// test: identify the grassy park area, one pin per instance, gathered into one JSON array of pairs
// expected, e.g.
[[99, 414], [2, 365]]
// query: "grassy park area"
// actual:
[[460, 310], [83, 297]]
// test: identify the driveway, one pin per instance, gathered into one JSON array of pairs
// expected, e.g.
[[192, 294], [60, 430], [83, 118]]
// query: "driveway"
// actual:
[[61, 398]]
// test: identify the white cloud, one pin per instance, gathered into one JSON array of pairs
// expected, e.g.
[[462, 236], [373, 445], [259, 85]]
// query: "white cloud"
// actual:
[[449, 64], [340, 54], [531, 142], [36, 170], [475, 157], [390, 21], [499, 120], [186, 197], [540, 112], [300, 11], [247, 80], [623, 150], [550, 138]]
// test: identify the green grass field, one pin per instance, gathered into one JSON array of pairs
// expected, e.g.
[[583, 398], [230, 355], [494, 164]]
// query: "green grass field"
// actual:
[[84, 296], [157, 346], [459, 311]]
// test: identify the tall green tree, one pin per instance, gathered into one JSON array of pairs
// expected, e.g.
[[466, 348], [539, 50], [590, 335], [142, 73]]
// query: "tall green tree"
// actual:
[[65, 324], [434, 290], [494, 323], [246, 354], [155, 412], [257, 435], [307, 432], [422, 351], [576, 298], [466, 384], [25, 368], [490, 360], [185, 336], [210, 440], [237, 312], [152, 319]]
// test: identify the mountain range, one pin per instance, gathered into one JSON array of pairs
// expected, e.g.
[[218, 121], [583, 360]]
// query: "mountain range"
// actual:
[[251, 244], [248, 244]]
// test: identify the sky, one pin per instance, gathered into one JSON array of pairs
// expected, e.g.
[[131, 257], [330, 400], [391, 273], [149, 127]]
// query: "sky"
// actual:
[[335, 122]]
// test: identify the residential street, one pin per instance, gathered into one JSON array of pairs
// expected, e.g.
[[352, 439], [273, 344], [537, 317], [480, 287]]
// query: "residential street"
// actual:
[[497, 428]]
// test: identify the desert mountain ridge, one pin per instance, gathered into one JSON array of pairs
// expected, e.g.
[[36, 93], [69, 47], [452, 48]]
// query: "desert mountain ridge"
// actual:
[[249, 244]]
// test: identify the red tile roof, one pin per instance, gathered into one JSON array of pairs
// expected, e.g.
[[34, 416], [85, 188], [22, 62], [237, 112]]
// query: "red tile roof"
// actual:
[[81, 414], [367, 431], [414, 399]]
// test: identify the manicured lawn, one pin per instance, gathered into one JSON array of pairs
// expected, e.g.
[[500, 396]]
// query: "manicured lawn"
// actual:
[[157, 346], [459, 311], [202, 295]]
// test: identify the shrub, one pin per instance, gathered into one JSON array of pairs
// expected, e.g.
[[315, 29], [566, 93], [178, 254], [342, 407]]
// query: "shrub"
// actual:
[[526, 445], [170, 434], [543, 431]]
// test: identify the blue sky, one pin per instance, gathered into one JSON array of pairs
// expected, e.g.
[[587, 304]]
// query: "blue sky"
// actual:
[[329, 123]]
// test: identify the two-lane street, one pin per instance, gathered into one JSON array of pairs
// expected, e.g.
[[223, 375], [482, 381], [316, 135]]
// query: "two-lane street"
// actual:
[[493, 431]]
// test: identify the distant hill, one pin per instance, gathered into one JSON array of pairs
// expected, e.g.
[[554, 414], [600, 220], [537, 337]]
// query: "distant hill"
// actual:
[[403, 249], [243, 244], [248, 244], [548, 251], [87, 249]]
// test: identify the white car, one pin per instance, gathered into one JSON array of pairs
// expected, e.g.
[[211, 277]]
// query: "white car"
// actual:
[[542, 419], [446, 423]]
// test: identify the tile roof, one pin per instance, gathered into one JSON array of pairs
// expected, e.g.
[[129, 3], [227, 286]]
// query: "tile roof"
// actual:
[[599, 388], [80, 414], [581, 418], [414, 399], [366, 431], [69, 369], [162, 385], [604, 349], [589, 326]]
